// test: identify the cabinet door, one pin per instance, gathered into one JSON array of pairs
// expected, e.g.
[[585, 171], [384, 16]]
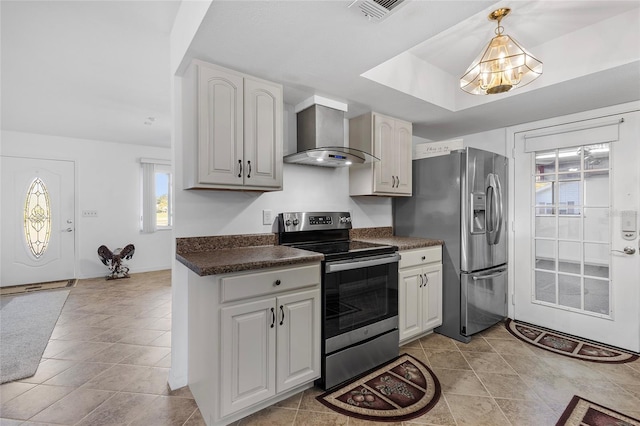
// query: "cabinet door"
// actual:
[[263, 107], [384, 148], [298, 339], [432, 300], [403, 151], [220, 117], [248, 350], [410, 302]]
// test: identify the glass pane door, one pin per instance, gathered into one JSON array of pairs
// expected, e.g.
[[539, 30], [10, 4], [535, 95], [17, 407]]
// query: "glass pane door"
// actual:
[[571, 229]]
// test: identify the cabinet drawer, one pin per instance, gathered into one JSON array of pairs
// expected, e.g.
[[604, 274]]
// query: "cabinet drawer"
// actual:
[[420, 256], [243, 286]]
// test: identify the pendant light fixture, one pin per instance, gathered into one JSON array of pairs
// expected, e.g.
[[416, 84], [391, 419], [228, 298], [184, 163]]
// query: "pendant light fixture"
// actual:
[[503, 65]]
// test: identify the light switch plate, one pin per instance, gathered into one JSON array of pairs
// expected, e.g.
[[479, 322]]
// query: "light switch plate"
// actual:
[[267, 217]]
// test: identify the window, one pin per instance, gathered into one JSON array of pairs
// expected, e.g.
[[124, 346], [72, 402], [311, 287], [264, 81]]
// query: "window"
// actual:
[[157, 209], [572, 241]]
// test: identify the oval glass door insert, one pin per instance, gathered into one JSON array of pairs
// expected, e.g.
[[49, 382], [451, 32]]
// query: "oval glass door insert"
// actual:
[[37, 218]]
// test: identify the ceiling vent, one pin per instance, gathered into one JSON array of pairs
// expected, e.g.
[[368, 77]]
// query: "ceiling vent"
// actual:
[[377, 9]]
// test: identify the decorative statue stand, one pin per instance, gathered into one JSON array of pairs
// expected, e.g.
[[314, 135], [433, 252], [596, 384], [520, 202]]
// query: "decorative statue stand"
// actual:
[[113, 260]]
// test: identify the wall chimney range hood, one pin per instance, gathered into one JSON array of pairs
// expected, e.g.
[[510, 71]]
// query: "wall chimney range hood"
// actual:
[[321, 136]]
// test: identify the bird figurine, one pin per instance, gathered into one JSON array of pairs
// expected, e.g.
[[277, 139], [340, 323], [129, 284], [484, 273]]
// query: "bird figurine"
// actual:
[[113, 260]]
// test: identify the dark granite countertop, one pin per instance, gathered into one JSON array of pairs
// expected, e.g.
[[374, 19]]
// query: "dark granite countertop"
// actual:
[[404, 243], [234, 253], [222, 261], [384, 235]]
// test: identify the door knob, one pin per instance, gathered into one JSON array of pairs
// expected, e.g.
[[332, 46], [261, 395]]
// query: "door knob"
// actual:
[[626, 250]]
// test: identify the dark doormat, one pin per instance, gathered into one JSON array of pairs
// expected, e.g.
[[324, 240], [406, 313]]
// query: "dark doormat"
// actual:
[[565, 344], [399, 390], [586, 413]]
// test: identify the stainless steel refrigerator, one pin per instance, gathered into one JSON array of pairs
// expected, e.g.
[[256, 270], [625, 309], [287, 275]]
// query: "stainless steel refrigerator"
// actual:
[[460, 198]]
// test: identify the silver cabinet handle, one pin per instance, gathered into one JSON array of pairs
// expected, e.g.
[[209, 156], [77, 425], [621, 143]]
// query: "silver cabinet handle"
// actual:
[[239, 168], [421, 281], [249, 167], [426, 280], [282, 312], [68, 230], [626, 250]]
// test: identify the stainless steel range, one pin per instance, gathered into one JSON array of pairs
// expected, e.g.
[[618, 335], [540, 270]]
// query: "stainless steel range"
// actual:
[[359, 293]]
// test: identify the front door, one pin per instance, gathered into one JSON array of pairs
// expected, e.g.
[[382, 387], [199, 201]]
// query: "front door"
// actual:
[[38, 223], [573, 187]]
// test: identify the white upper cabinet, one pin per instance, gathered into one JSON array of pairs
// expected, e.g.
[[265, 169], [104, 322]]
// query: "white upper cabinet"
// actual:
[[389, 139], [220, 118], [239, 121], [263, 133]]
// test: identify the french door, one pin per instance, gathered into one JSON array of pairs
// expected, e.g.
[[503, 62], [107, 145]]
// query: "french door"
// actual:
[[577, 196], [37, 213]]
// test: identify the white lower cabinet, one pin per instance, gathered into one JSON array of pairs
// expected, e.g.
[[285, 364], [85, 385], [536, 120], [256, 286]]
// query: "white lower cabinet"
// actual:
[[253, 338], [268, 347], [420, 291]]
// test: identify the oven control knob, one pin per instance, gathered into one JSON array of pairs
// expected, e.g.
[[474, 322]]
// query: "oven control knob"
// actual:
[[345, 219], [288, 222], [295, 222]]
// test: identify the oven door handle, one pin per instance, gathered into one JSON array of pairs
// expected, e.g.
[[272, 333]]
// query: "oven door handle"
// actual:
[[365, 263]]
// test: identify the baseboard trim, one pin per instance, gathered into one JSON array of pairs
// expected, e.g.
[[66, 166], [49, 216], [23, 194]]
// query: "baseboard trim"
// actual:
[[177, 382]]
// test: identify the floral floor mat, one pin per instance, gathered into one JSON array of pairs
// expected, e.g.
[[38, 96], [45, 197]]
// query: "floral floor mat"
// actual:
[[399, 390], [567, 345], [586, 413]]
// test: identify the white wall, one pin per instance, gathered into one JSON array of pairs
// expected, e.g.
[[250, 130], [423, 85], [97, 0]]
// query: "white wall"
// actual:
[[305, 188], [491, 140], [107, 180]]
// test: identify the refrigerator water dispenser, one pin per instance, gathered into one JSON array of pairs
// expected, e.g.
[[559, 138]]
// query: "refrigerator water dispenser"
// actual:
[[478, 210]]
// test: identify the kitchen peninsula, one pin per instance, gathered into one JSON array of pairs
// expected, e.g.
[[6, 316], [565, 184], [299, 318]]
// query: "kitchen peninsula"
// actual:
[[255, 318]]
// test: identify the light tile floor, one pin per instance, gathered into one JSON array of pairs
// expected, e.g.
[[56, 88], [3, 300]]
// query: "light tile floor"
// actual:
[[108, 359]]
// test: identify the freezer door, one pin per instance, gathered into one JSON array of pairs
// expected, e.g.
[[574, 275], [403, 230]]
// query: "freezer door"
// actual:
[[484, 210], [483, 299]]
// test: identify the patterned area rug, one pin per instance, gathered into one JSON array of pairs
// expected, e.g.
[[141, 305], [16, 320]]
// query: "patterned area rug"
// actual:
[[581, 412], [399, 390], [567, 345]]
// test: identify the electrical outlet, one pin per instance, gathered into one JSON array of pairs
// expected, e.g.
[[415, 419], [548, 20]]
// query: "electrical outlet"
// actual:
[[267, 217], [89, 213]]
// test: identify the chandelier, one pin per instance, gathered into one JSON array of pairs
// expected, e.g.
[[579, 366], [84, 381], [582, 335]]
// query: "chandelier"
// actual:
[[502, 65]]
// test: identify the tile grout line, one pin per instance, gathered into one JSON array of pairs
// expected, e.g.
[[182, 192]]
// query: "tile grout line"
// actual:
[[522, 380], [485, 387], [441, 390]]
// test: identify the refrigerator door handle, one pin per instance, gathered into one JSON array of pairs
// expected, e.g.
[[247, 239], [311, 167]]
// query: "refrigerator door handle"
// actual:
[[495, 209], [486, 277], [500, 208]]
